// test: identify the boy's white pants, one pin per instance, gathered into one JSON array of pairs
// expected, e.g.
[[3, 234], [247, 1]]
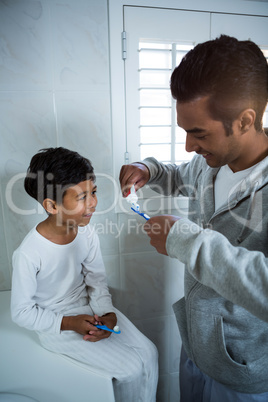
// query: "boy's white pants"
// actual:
[[130, 358]]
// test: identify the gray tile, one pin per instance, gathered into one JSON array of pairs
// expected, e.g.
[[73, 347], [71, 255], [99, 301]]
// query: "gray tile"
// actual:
[[26, 62], [80, 45], [84, 126]]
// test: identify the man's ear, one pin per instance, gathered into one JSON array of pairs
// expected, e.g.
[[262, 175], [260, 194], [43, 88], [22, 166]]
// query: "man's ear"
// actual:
[[247, 120], [50, 206]]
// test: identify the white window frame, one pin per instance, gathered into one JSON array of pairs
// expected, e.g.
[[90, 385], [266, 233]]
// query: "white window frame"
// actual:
[[116, 27]]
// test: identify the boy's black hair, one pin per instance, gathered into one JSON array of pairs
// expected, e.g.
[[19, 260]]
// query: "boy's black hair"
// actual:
[[53, 170], [233, 73]]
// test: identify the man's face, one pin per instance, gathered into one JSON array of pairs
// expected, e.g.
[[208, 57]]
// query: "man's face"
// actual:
[[206, 136]]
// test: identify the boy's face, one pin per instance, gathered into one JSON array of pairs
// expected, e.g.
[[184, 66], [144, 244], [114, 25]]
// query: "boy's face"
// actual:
[[78, 204]]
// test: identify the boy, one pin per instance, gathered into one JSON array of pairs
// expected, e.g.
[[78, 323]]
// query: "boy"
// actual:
[[59, 285]]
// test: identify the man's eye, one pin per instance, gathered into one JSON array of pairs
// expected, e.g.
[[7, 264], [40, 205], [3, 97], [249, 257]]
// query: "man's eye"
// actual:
[[94, 192]]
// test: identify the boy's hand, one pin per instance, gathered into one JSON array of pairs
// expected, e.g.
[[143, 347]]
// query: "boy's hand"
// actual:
[[85, 325], [81, 324], [96, 334]]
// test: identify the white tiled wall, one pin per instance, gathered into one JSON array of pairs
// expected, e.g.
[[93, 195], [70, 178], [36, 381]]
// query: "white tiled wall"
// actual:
[[55, 91]]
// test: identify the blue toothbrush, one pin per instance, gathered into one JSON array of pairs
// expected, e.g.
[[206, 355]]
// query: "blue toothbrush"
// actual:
[[108, 329], [132, 198], [145, 216]]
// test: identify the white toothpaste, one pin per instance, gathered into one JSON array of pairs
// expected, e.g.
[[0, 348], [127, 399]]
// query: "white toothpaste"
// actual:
[[132, 198]]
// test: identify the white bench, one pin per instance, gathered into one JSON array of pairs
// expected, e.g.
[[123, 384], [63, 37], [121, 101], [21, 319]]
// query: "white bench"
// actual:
[[28, 369]]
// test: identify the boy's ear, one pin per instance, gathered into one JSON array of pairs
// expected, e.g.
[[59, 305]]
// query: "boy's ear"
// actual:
[[50, 206]]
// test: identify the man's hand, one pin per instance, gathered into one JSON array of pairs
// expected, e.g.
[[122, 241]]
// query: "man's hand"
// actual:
[[158, 229], [135, 173]]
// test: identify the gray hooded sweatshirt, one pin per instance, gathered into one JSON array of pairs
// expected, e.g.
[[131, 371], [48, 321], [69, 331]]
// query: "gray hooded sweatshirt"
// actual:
[[223, 318]]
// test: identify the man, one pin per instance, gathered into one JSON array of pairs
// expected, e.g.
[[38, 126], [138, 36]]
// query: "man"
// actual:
[[221, 89]]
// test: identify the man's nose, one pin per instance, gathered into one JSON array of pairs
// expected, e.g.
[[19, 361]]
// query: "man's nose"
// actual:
[[191, 144]]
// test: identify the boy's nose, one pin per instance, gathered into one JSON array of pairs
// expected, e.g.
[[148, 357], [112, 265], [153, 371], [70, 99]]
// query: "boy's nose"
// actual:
[[93, 201]]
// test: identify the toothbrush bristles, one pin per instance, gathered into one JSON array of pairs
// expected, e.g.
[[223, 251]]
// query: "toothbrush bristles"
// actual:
[[136, 207]]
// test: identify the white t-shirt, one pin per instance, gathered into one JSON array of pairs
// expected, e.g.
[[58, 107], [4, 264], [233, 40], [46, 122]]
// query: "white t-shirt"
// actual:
[[49, 279], [227, 182]]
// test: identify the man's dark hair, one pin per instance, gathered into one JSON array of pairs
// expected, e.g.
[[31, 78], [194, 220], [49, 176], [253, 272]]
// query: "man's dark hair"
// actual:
[[232, 73], [53, 170]]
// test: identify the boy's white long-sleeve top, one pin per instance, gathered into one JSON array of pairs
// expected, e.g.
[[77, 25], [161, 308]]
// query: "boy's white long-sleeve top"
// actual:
[[49, 278]]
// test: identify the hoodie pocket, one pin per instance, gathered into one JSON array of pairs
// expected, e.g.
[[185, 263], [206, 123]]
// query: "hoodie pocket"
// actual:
[[209, 350]]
